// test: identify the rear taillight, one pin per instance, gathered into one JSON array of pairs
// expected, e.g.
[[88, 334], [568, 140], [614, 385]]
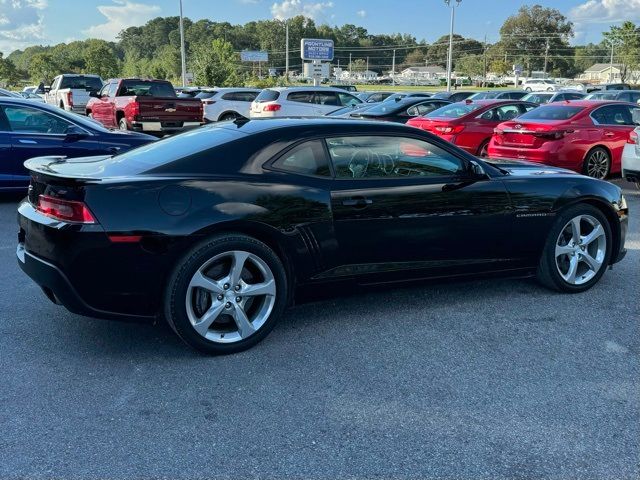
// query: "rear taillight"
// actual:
[[70, 99], [551, 134], [633, 137], [65, 210], [133, 111], [272, 107], [208, 102], [449, 130]]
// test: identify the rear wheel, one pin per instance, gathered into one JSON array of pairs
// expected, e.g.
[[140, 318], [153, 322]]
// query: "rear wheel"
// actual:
[[226, 295], [229, 117], [122, 124], [597, 164], [577, 250], [483, 151], [528, 89]]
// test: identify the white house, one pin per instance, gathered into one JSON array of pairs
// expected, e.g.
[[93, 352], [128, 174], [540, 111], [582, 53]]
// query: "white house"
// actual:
[[430, 72]]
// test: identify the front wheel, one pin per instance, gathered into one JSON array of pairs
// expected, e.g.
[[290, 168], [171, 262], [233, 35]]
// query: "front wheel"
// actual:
[[577, 250], [226, 295]]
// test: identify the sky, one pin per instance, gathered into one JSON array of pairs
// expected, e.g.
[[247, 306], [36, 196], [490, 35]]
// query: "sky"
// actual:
[[34, 22]]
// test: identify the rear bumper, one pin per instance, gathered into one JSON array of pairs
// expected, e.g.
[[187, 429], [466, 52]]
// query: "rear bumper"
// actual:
[[57, 287], [552, 155], [630, 164], [164, 127]]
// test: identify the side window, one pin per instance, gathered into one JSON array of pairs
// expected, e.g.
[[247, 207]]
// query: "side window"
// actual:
[[390, 157], [31, 120], [326, 98], [306, 159], [613, 115], [247, 96], [635, 96], [507, 112], [55, 83], [422, 109], [231, 96], [376, 97], [113, 89], [301, 97], [624, 97], [347, 100]]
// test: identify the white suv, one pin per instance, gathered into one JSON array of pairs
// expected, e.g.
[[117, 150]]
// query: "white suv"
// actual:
[[300, 102], [220, 104], [540, 85]]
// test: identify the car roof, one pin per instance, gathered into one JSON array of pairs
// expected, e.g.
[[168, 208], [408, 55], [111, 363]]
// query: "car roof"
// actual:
[[306, 89], [588, 103]]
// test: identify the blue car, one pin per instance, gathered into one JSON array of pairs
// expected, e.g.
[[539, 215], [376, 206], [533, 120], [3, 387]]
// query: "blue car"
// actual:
[[29, 129]]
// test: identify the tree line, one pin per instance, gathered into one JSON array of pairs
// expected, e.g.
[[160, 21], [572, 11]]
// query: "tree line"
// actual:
[[536, 37]]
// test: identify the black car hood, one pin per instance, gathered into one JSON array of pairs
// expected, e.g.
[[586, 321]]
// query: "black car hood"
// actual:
[[521, 168]]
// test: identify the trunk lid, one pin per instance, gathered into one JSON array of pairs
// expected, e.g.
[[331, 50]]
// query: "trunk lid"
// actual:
[[528, 135]]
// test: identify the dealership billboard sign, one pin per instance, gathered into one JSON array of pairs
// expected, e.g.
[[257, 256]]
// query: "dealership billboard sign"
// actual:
[[254, 56], [316, 49]]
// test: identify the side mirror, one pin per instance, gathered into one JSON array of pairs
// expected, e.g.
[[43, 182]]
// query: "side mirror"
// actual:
[[635, 115], [74, 133], [47, 89], [477, 171]]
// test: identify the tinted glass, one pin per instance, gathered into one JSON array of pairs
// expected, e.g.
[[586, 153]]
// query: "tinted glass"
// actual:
[[455, 110], [301, 97], [552, 112], [31, 120], [91, 84], [612, 115], [146, 88], [111, 91], [483, 95], [501, 114], [322, 98], [267, 95], [537, 97], [306, 159], [206, 95], [346, 99], [389, 157]]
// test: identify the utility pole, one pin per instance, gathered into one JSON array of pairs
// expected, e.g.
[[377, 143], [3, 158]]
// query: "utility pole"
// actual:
[[484, 69], [349, 65], [367, 63], [286, 49], [546, 58], [393, 68], [611, 64], [450, 56], [183, 52]]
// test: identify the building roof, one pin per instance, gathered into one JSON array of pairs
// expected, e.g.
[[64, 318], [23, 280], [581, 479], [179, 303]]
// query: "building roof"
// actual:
[[600, 67], [427, 69]]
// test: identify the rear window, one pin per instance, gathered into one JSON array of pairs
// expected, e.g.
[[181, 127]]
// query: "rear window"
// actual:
[[454, 110], [484, 95], [268, 96], [171, 149], [205, 95], [146, 88], [551, 112], [91, 84], [538, 97]]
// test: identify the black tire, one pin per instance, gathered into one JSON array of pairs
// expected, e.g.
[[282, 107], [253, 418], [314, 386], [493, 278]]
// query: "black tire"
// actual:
[[483, 149], [175, 310], [594, 156], [229, 117], [547, 272], [122, 124], [528, 89]]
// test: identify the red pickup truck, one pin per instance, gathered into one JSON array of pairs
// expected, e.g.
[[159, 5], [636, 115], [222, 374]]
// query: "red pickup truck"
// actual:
[[149, 106]]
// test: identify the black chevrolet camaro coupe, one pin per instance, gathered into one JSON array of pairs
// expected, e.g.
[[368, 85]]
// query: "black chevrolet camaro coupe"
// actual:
[[215, 228]]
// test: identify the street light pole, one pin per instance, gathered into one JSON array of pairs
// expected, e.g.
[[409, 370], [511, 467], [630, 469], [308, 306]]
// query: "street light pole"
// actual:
[[286, 62], [450, 56], [183, 52]]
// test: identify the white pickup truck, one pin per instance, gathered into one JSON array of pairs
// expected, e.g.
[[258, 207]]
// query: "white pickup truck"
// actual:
[[72, 91]]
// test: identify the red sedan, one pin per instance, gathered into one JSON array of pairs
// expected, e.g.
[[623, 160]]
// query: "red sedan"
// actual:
[[583, 136], [470, 124]]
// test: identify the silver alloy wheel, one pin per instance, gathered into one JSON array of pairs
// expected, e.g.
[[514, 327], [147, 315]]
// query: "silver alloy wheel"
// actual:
[[598, 164], [580, 249], [231, 296], [484, 150]]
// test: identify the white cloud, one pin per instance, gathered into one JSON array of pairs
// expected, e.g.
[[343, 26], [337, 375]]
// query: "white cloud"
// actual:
[[361, 13], [291, 8], [120, 15], [21, 23], [605, 11]]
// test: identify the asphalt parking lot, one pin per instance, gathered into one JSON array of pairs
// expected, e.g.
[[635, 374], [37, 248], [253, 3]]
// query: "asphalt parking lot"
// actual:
[[472, 379]]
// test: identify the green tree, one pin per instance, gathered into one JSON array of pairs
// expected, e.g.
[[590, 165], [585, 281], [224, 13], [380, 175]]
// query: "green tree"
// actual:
[[42, 67], [470, 65], [586, 55], [439, 50], [534, 31], [101, 60], [626, 47], [215, 64], [8, 71]]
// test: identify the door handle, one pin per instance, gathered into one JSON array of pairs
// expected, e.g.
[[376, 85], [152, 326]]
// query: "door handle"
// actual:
[[28, 142], [358, 202], [609, 134]]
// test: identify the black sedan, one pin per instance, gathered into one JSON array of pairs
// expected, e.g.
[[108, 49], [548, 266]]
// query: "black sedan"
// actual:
[[29, 129], [214, 229], [399, 111]]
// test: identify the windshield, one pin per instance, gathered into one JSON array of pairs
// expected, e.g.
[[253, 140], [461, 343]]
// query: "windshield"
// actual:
[[395, 96], [146, 88], [91, 84], [455, 110], [551, 112], [483, 95], [537, 97]]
